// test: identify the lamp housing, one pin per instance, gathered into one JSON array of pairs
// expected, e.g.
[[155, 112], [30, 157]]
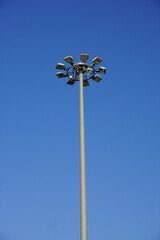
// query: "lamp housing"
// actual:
[[97, 78], [71, 81], [61, 75], [61, 66], [102, 70], [69, 59], [84, 57], [85, 83], [97, 60]]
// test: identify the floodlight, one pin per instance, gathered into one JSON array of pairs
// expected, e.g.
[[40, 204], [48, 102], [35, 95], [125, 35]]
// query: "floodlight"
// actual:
[[101, 70], [69, 59], [84, 57], [71, 81], [61, 75], [85, 83], [61, 66], [97, 78], [97, 60]]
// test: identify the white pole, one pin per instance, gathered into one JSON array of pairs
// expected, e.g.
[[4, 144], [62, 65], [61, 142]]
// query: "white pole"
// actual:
[[82, 163]]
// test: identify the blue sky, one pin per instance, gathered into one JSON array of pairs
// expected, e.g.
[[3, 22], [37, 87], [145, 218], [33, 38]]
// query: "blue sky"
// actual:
[[39, 124]]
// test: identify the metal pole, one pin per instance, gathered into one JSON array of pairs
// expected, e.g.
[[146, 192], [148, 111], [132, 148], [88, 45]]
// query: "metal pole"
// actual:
[[82, 163]]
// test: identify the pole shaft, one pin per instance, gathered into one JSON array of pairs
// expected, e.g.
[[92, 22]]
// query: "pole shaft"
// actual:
[[82, 163]]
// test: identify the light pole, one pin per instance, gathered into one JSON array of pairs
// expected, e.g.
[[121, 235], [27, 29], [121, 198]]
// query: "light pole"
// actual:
[[81, 72]]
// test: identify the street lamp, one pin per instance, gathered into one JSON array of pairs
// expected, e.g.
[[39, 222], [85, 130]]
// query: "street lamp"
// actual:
[[81, 72]]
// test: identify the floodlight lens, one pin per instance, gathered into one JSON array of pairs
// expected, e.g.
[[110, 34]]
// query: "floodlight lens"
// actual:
[[61, 66], [85, 83], [69, 59], [102, 70], [97, 78], [70, 81], [97, 60], [61, 75], [84, 57]]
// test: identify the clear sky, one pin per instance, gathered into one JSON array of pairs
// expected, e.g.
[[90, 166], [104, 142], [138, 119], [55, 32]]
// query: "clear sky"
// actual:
[[39, 123]]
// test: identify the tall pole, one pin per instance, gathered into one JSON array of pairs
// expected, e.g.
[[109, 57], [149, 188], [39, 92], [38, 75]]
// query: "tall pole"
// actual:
[[82, 163], [76, 72]]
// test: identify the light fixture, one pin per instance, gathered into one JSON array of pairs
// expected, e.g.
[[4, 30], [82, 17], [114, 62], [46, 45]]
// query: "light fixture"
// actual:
[[101, 70], [71, 81], [85, 83], [69, 59], [81, 68], [61, 75], [84, 57], [81, 72], [96, 78], [61, 66], [97, 60]]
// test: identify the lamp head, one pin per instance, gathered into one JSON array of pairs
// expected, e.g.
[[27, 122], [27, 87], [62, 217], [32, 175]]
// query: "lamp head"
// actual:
[[97, 60], [61, 66], [101, 70], [85, 83], [96, 78], [69, 59], [70, 81], [61, 75], [84, 57]]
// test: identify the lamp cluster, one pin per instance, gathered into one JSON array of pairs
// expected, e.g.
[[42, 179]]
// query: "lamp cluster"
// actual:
[[72, 72]]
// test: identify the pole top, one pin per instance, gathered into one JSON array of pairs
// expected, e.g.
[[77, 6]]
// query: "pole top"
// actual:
[[88, 71]]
